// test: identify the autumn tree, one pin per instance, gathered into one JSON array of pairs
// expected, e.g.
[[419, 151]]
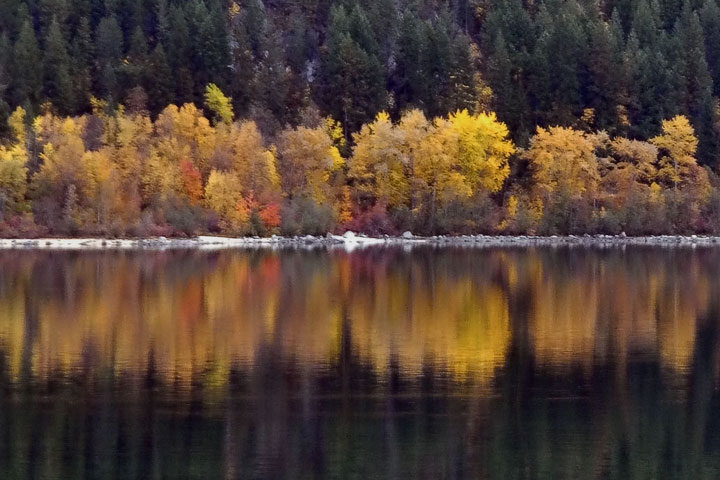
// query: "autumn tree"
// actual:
[[219, 104], [482, 149], [563, 159], [378, 166], [222, 195], [254, 163], [308, 156], [678, 146], [566, 177]]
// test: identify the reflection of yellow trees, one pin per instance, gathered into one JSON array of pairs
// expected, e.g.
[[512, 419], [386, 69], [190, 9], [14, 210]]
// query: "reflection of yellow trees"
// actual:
[[592, 309], [197, 314], [460, 324]]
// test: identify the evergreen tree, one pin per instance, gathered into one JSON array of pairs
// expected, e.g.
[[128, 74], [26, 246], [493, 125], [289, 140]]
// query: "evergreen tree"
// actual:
[[407, 76], [135, 67], [57, 84], [436, 64], [178, 53], [83, 52], [159, 82], [27, 68], [4, 84], [352, 79], [109, 41], [710, 19], [243, 71], [463, 94], [605, 78]]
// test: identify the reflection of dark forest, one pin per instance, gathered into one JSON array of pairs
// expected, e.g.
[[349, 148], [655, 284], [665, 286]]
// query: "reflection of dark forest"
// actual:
[[639, 402]]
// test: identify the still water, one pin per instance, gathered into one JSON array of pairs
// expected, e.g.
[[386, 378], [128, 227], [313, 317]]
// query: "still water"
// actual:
[[545, 363]]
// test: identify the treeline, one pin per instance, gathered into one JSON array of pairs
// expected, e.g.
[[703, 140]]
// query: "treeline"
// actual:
[[115, 171], [350, 58], [620, 66]]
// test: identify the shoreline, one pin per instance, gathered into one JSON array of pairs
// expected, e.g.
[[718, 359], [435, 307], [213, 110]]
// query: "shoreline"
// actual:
[[351, 241]]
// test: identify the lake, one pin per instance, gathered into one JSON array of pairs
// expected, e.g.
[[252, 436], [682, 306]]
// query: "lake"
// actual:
[[427, 363]]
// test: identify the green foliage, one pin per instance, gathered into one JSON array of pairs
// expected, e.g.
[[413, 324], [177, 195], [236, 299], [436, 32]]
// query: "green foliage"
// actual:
[[219, 104]]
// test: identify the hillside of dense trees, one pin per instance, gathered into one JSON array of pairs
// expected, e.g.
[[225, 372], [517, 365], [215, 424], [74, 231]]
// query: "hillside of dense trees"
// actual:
[[559, 116]]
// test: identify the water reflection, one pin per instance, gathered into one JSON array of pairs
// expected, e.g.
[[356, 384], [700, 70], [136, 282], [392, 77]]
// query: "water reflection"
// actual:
[[435, 363]]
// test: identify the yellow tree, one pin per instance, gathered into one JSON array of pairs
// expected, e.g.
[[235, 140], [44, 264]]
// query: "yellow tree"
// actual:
[[222, 195], [13, 170], [434, 175], [563, 159], [62, 151], [483, 149], [308, 156], [635, 159], [185, 134], [62, 183], [219, 104], [677, 145], [378, 166], [13, 179], [130, 144], [254, 163], [103, 191], [414, 128], [161, 178]]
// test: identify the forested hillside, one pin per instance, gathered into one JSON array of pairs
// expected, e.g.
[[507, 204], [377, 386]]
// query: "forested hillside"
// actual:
[[621, 65], [601, 110]]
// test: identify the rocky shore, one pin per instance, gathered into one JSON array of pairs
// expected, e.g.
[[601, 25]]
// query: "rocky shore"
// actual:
[[351, 241]]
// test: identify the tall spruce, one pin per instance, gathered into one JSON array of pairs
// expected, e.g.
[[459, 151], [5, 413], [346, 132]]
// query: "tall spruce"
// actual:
[[57, 81]]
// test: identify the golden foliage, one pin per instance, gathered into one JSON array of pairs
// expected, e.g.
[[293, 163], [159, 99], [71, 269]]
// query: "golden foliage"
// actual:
[[563, 159]]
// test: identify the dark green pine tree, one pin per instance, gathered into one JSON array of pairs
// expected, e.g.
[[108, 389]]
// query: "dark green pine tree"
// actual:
[[407, 76], [82, 53], [646, 24], [49, 11], [179, 53], [436, 63], [10, 21], [606, 78], [697, 84], [109, 41], [57, 82], [4, 84], [27, 74], [273, 82], [710, 19], [463, 92], [510, 69], [559, 90], [300, 44], [509, 98], [160, 24], [650, 86], [109, 49], [352, 82], [384, 19], [242, 84], [255, 21], [135, 68], [159, 83], [694, 74], [210, 54]]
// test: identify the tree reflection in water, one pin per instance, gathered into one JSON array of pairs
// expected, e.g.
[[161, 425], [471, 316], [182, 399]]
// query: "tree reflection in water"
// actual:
[[381, 363]]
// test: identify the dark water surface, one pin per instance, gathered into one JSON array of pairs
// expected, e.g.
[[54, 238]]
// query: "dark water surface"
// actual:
[[382, 363]]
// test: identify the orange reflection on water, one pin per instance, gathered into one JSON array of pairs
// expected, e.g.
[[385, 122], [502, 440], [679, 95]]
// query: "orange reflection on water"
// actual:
[[461, 310]]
